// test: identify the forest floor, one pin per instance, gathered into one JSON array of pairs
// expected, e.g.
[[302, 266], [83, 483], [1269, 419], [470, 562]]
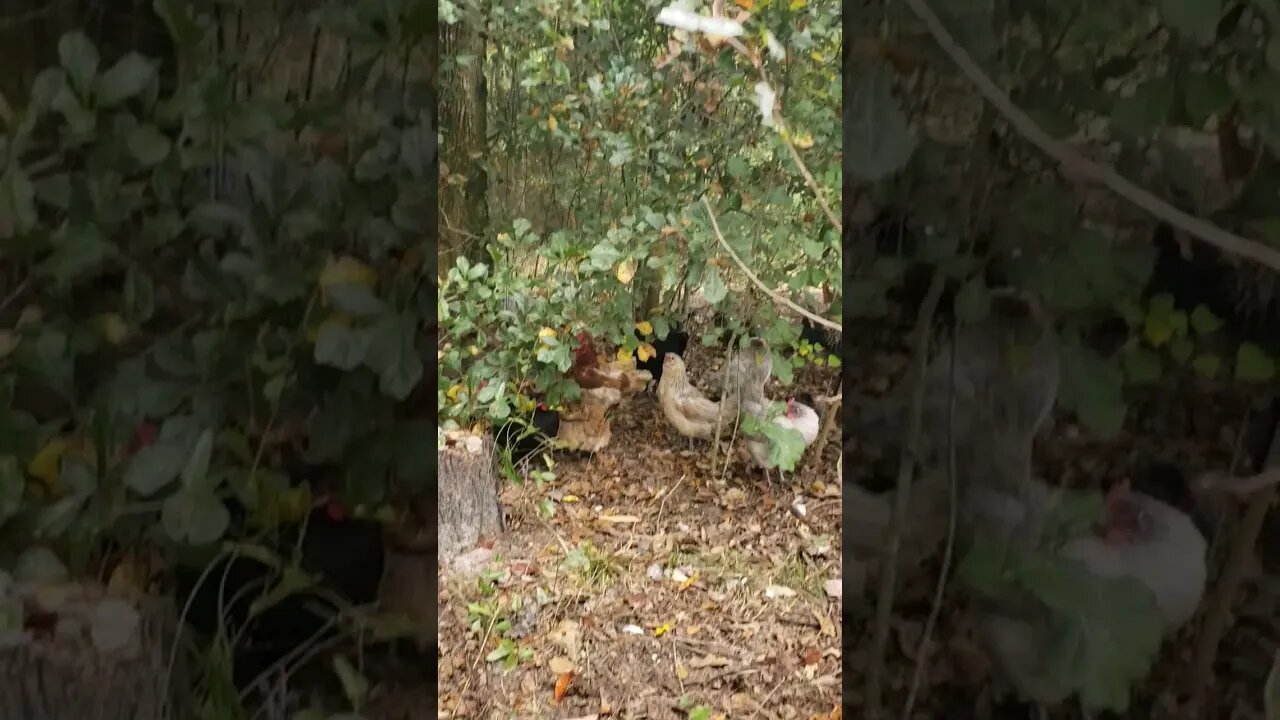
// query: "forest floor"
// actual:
[[669, 586], [671, 590]]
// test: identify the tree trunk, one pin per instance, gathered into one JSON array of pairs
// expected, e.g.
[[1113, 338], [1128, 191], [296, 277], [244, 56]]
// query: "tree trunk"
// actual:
[[67, 676], [463, 103], [467, 494]]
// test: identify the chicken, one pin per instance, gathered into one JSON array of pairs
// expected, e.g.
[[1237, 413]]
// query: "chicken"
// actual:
[[1142, 539], [345, 555], [675, 342], [798, 416], [745, 376], [584, 425], [590, 373], [523, 438], [684, 406]]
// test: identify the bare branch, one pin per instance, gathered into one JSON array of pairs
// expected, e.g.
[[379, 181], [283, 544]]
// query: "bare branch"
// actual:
[[1206, 231]]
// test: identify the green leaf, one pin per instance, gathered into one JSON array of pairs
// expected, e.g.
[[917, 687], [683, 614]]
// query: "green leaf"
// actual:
[[878, 142], [1253, 364], [736, 166], [154, 467], [355, 299], [1206, 95], [341, 346], [148, 145], [1197, 19], [1148, 108], [196, 517], [1142, 366], [78, 249], [1105, 632], [79, 58], [39, 565], [196, 470], [1181, 349], [17, 203], [394, 356], [12, 487], [713, 287], [1203, 321], [973, 301], [1206, 365], [128, 77], [1092, 388]]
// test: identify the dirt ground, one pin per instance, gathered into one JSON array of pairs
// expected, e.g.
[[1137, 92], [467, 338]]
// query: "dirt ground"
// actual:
[[669, 588]]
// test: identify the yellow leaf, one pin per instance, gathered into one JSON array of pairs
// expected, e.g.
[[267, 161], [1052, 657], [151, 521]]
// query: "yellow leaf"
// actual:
[[745, 4], [569, 499], [682, 672], [624, 355], [473, 350], [645, 327], [804, 141], [546, 332], [551, 123], [346, 270], [625, 271], [47, 463], [693, 579], [452, 393], [112, 328], [661, 629], [645, 351], [798, 4], [1157, 329]]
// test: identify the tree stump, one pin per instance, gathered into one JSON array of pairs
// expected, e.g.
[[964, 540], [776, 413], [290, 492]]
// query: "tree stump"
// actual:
[[84, 655], [467, 493]]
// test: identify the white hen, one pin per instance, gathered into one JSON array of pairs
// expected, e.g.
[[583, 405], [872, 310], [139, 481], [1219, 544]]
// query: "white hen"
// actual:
[[1144, 539], [798, 416]]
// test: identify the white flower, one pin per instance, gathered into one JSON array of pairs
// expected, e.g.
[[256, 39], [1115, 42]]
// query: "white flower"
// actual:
[[679, 16], [776, 50], [765, 97]]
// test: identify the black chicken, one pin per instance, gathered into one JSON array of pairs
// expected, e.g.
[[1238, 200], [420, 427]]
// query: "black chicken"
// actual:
[[344, 555], [523, 438], [676, 341]]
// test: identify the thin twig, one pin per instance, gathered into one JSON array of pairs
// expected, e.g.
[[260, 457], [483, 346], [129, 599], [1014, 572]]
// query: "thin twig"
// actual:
[[1069, 159], [907, 460], [1217, 614], [756, 281], [922, 657], [1242, 487], [813, 184], [828, 422]]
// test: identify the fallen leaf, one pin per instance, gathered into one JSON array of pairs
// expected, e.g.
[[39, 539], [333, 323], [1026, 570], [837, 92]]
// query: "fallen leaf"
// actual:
[[707, 661], [834, 588], [778, 591], [661, 629], [620, 518], [682, 672], [562, 686], [560, 665], [811, 656], [691, 580]]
